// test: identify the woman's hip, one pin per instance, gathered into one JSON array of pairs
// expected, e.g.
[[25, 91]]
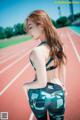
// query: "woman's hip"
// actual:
[[51, 90]]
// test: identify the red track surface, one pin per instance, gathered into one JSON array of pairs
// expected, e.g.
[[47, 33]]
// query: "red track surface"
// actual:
[[15, 70]]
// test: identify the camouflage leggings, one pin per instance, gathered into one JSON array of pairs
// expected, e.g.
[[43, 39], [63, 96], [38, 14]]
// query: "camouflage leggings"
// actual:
[[51, 99]]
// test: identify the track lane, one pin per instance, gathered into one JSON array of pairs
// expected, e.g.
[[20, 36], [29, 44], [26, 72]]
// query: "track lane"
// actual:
[[15, 94]]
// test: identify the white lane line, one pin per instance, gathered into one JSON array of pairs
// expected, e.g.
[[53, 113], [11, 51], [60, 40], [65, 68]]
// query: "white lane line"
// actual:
[[19, 53], [6, 54], [75, 32], [9, 52], [11, 49], [11, 56], [3, 50], [13, 63], [73, 45], [14, 79], [31, 116]]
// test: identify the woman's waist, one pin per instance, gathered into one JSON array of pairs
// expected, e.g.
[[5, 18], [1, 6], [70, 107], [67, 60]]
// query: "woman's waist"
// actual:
[[50, 86], [55, 81], [52, 81]]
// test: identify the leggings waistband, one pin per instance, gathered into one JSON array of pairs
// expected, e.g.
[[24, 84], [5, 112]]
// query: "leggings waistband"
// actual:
[[54, 87]]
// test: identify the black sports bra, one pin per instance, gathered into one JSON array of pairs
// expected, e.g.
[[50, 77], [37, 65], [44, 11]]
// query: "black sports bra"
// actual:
[[47, 68]]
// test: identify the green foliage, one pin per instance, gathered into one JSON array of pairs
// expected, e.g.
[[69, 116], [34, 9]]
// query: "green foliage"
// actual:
[[76, 16], [8, 32], [18, 29], [62, 21], [53, 22], [2, 33]]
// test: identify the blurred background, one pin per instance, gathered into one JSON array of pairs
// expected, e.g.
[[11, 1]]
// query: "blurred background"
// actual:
[[14, 12], [15, 47]]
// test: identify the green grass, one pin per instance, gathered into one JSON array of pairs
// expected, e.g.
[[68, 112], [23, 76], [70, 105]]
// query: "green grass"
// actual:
[[14, 41], [75, 28]]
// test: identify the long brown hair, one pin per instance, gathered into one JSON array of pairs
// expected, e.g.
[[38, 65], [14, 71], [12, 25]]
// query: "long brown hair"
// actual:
[[40, 17]]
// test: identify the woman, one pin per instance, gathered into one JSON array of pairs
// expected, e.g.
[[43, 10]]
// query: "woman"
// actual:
[[46, 92]]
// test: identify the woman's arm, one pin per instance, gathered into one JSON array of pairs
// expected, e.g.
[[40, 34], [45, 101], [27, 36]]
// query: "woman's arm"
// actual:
[[39, 62]]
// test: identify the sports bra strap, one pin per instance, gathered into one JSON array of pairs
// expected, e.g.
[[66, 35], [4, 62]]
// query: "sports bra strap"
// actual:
[[50, 59]]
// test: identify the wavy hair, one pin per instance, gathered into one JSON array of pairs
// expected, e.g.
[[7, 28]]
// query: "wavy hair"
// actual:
[[40, 17]]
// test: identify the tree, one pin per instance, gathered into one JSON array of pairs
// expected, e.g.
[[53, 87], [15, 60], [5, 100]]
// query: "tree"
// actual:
[[62, 21], [54, 22], [8, 32], [18, 29], [2, 33]]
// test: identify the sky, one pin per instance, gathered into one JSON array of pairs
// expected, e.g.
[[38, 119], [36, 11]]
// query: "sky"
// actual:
[[16, 11]]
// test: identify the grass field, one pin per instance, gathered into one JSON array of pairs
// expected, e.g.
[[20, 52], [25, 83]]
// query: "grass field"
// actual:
[[22, 38], [14, 40]]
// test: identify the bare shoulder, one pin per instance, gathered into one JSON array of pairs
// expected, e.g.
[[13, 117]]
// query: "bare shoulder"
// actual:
[[37, 53]]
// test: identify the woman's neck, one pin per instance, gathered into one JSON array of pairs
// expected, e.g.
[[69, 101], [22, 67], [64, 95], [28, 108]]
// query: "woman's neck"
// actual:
[[43, 37]]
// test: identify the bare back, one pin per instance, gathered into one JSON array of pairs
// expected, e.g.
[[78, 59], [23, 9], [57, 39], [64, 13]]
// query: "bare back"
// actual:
[[52, 75]]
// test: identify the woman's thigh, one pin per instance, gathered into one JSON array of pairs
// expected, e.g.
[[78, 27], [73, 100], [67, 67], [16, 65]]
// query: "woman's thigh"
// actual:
[[37, 104], [56, 108], [39, 110]]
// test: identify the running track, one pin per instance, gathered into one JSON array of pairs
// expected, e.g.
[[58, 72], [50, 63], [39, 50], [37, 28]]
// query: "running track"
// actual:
[[15, 70]]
